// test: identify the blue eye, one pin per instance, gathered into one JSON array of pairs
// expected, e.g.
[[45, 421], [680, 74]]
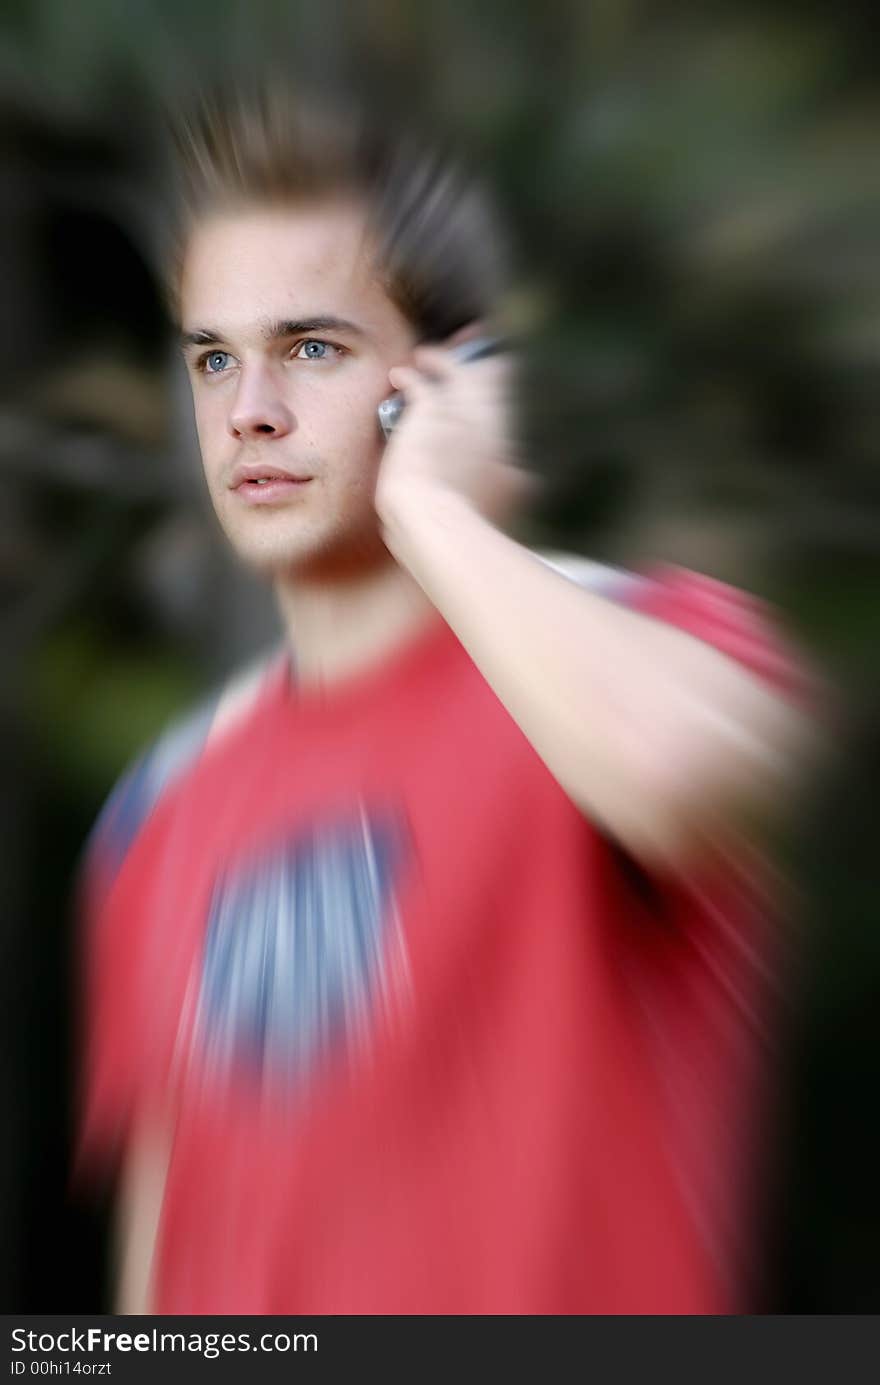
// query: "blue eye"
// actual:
[[312, 350], [216, 362]]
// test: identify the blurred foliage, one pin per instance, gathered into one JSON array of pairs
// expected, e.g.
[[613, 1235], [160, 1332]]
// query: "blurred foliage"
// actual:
[[90, 711], [695, 192]]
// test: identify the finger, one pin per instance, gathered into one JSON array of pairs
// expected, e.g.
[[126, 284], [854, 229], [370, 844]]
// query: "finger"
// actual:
[[435, 361], [489, 372], [410, 382], [479, 376]]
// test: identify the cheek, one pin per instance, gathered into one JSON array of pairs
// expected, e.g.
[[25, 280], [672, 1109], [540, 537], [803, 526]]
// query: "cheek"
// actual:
[[348, 427], [210, 430]]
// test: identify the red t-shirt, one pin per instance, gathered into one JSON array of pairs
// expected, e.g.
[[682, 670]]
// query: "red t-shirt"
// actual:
[[428, 1041]]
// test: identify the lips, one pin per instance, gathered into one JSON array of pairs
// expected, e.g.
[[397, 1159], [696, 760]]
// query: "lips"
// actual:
[[263, 473], [264, 483]]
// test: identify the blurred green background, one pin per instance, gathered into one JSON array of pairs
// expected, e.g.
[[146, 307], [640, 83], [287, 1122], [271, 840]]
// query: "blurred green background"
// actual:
[[694, 192]]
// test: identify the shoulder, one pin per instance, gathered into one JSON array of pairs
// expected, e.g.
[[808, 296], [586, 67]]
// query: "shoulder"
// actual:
[[614, 583], [661, 589], [734, 621], [167, 760]]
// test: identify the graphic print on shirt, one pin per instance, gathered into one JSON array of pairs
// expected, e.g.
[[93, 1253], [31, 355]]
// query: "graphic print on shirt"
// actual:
[[303, 950]]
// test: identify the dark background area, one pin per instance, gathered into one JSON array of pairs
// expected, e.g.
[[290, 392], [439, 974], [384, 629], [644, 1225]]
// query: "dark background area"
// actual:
[[695, 196]]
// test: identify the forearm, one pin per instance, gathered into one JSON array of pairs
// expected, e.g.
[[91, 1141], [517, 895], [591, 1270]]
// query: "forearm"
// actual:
[[655, 734], [137, 1220]]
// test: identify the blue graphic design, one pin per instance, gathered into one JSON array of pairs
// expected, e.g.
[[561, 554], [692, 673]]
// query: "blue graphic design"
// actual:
[[300, 948]]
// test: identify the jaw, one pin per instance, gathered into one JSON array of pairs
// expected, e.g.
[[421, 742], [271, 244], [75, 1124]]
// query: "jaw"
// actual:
[[300, 548]]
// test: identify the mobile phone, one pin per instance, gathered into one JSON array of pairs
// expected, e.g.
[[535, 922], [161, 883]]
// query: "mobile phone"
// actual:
[[390, 410]]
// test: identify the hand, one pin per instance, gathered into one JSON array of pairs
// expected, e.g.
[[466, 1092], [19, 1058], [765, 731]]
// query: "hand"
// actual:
[[454, 437]]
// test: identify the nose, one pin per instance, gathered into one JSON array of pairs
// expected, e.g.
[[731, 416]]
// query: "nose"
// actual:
[[258, 409]]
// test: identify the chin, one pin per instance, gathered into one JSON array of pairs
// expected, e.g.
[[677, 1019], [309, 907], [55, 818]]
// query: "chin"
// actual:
[[311, 555]]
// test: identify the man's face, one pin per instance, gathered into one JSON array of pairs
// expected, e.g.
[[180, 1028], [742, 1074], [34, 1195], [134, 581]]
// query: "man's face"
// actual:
[[288, 338]]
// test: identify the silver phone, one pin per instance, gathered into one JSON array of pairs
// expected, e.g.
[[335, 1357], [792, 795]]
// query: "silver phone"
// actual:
[[390, 410]]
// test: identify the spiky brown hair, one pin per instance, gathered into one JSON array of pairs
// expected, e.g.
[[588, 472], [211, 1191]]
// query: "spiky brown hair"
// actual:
[[440, 252]]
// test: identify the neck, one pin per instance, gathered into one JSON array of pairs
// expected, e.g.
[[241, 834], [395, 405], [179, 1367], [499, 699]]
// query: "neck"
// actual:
[[341, 624]]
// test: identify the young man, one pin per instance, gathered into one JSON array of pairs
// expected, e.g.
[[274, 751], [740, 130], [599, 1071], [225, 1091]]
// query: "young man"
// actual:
[[422, 976]]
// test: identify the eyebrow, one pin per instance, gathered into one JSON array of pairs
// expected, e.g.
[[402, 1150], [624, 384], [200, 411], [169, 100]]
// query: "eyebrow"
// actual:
[[277, 330]]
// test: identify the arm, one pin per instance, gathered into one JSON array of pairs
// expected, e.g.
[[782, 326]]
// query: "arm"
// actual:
[[139, 1207], [660, 738]]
